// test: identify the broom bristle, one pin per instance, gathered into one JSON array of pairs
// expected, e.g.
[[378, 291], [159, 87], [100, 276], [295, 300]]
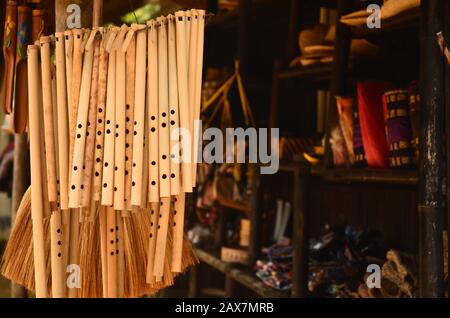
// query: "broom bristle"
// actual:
[[18, 262]]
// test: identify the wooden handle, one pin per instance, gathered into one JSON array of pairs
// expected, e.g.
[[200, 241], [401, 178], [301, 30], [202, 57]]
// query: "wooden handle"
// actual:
[[108, 148], [183, 100], [163, 111], [178, 232], [49, 130], [161, 238], [153, 118], [198, 90], [129, 113], [139, 119], [100, 125], [154, 216], [36, 192], [63, 128], [119, 147], [173, 110], [112, 252], [80, 133]]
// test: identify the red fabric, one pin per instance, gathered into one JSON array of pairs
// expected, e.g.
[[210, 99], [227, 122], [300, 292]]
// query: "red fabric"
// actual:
[[370, 105]]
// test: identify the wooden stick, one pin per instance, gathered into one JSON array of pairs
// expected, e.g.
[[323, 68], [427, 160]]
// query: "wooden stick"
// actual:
[[49, 129], [183, 99], [198, 89], [163, 111], [68, 45], [173, 109], [112, 249], [139, 119], [108, 148], [90, 132], [129, 112], [119, 147], [36, 193], [120, 255], [153, 118], [57, 259], [80, 140], [154, 211], [100, 125]]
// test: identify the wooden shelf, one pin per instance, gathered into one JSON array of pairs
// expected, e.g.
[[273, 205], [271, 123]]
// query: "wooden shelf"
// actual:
[[240, 274], [320, 71], [367, 175]]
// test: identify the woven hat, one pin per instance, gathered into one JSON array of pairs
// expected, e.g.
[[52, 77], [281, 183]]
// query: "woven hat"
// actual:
[[392, 8], [314, 36]]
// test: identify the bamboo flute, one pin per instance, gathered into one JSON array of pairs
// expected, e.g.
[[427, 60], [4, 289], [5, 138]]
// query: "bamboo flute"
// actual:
[[183, 99], [164, 150], [100, 125], [112, 252], [36, 193], [129, 112], [103, 249], [107, 196], [90, 134], [139, 118], [178, 233], [192, 73], [154, 215], [49, 129], [152, 105], [119, 147], [198, 90], [68, 45], [76, 178]]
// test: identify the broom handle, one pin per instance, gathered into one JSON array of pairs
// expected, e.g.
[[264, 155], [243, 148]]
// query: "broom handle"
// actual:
[[119, 147], [112, 249], [198, 89], [129, 112], [163, 111], [173, 109], [108, 149], [178, 233], [154, 215], [100, 125], [103, 249], [76, 178], [183, 99], [192, 73], [139, 119], [36, 193], [152, 104], [161, 239], [90, 134], [49, 130]]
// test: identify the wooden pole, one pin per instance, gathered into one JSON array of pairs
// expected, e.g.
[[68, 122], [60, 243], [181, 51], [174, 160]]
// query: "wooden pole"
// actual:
[[431, 170], [97, 15]]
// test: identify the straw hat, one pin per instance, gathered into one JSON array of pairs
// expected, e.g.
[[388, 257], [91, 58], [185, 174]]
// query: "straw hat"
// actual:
[[314, 36], [392, 8]]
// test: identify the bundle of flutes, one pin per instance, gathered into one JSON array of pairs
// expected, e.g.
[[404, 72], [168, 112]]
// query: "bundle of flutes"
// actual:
[[113, 141]]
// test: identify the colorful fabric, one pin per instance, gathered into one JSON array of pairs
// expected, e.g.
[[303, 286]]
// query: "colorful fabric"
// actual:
[[398, 128], [372, 122], [277, 272], [358, 146]]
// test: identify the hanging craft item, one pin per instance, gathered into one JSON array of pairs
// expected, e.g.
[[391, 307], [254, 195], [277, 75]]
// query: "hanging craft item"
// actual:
[[110, 164]]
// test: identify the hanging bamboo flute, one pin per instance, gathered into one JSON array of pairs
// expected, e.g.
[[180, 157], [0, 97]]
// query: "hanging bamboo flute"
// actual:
[[164, 150], [183, 98], [36, 194], [68, 46], [139, 118]]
